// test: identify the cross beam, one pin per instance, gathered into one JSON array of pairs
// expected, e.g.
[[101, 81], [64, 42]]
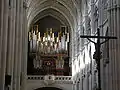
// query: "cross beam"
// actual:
[[101, 37], [97, 53]]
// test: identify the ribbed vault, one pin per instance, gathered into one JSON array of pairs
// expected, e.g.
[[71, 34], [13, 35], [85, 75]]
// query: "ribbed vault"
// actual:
[[51, 12], [63, 10]]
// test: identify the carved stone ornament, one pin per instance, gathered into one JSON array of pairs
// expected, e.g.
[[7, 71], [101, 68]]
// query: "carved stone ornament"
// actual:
[[49, 79], [25, 5]]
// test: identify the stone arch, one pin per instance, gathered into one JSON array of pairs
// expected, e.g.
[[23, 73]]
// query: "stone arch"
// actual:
[[39, 11], [57, 86], [51, 16], [53, 13], [48, 88], [36, 5], [66, 10], [70, 22]]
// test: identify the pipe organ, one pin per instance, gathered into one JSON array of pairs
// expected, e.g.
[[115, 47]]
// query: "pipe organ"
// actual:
[[49, 49]]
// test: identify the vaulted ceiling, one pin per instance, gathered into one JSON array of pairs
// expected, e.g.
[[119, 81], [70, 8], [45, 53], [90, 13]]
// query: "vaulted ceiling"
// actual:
[[66, 11]]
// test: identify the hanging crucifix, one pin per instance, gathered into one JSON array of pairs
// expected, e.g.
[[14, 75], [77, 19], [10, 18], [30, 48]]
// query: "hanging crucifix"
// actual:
[[97, 54]]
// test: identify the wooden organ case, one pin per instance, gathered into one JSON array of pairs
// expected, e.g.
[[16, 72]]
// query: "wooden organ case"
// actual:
[[48, 53]]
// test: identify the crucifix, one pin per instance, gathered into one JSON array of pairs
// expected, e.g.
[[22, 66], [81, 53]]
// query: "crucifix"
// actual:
[[97, 54]]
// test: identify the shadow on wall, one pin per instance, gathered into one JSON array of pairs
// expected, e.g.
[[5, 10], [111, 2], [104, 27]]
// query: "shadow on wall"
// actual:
[[48, 88]]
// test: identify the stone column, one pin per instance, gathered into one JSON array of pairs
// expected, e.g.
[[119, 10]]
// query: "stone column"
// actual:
[[107, 77], [88, 80], [103, 75], [100, 11], [80, 85], [81, 32], [9, 42], [25, 48], [4, 37], [92, 74], [76, 86], [109, 65], [1, 30], [11, 34], [20, 48], [118, 41], [17, 52], [13, 12], [114, 46], [86, 31], [92, 17], [86, 16]]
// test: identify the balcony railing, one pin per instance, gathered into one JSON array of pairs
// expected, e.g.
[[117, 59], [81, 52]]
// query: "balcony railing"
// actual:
[[35, 77], [56, 78]]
